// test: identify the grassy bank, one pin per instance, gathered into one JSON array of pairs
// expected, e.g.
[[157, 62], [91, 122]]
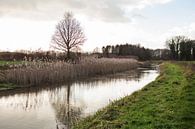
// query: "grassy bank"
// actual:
[[167, 103], [7, 64], [7, 86], [37, 73]]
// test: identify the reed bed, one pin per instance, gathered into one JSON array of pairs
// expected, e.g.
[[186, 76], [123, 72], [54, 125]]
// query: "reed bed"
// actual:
[[37, 73]]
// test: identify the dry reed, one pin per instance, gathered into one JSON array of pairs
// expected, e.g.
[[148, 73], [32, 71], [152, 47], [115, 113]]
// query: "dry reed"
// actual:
[[37, 73]]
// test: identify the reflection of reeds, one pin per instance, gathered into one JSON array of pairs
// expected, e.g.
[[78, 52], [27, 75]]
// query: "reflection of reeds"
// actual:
[[46, 72], [2, 76]]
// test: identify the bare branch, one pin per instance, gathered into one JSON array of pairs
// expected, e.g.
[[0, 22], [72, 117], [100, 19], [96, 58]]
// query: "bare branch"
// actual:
[[68, 35]]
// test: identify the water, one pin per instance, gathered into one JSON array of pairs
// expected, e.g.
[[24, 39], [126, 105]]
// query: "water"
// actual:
[[60, 107]]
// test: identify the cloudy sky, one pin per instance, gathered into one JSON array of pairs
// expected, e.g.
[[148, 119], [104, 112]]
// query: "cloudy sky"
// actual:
[[30, 24]]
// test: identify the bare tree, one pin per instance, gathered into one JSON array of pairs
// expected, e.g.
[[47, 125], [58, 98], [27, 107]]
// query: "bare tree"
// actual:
[[69, 35], [175, 45]]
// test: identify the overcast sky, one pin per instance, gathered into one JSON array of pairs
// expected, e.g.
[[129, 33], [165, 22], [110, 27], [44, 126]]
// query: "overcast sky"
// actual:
[[30, 24]]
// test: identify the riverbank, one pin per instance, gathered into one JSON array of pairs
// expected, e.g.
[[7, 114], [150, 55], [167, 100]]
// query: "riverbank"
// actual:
[[166, 103], [4, 65], [51, 73]]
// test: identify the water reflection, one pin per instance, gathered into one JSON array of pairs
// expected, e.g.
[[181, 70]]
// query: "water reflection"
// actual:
[[60, 107], [66, 113]]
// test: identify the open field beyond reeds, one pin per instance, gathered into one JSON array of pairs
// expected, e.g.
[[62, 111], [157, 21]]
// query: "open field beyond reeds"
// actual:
[[166, 103], [37, 73]]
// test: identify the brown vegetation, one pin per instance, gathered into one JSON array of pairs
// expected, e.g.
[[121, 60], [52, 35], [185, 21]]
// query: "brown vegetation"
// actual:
[[37, 73]]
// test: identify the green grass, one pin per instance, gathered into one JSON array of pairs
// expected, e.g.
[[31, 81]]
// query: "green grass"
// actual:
[[7, 86], [166, 103], [7, 63], [4, 65]]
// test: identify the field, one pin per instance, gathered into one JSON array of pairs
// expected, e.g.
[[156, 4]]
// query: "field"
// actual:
[[166, 103]]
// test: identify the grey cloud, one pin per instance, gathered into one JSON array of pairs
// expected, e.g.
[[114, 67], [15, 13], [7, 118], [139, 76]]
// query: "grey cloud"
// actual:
[[105, 10]]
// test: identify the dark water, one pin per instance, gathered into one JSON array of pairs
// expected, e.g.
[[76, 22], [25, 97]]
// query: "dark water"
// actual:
[[60, 107]]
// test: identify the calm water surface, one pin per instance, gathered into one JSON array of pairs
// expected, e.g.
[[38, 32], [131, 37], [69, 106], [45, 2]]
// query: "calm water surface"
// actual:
[[60, 107]]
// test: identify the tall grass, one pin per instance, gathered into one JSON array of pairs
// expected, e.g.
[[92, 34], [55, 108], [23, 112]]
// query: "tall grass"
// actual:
[[56, 72]]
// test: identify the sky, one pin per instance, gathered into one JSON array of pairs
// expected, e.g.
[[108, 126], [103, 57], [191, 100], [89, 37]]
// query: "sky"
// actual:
[[30, 24]]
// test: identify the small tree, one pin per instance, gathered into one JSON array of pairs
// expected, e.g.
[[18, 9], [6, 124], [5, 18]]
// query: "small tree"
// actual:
[[68, 35]]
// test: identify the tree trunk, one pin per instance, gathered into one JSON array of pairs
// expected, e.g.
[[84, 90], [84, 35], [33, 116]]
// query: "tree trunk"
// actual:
[[68, 54]]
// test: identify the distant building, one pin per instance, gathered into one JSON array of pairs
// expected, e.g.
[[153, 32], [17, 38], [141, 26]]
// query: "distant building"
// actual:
[[161, 54]]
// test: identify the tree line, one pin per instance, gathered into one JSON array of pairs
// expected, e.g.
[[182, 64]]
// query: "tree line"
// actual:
[[127, 50]]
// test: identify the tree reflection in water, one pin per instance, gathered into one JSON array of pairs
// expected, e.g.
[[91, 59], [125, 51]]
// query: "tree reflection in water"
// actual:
[[66, 113]]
